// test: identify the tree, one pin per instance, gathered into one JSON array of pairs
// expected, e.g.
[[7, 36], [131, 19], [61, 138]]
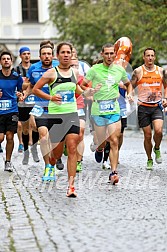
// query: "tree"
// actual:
[[89, 24]]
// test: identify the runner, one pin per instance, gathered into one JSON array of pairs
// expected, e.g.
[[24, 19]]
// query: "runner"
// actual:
[[150, 80], [10, 82], [105, 108], [22, 69], [55, 62], [25, 108], [40, 109], [63, 117]]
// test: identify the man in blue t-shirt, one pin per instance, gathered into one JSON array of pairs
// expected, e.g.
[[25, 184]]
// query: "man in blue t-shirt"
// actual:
[[10, 82]]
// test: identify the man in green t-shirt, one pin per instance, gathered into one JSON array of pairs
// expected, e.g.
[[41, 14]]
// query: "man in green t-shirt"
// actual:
[[105, 110]]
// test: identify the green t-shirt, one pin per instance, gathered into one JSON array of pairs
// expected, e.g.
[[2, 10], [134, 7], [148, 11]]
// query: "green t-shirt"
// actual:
[[105, 100]]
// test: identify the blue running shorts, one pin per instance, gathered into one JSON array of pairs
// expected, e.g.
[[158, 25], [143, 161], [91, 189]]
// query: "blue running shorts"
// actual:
[[103, 120]]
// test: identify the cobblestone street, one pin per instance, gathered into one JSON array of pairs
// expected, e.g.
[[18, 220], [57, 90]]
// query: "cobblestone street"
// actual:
[[128, 217]]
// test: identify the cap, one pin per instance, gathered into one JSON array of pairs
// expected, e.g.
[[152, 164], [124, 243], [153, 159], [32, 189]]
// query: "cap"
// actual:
[[23, 49]]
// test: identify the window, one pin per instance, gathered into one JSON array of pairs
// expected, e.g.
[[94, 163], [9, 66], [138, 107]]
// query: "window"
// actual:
[[29, 11]]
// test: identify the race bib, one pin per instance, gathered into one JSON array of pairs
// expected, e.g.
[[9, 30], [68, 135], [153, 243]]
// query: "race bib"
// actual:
[[106, 106], [30, 99], [36, 111], [67, 96], [5, 104], [81, 112]]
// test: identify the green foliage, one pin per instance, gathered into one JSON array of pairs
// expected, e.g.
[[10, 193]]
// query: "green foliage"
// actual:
[[89, 24]]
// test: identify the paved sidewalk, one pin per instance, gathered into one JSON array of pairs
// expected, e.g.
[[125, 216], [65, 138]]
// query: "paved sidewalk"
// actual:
[[129, 217]]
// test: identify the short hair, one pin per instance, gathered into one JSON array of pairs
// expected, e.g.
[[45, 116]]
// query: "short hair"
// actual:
[[46, 42], [107, 45], [59, 46], [149, 48], [4, 53], [45, 46]]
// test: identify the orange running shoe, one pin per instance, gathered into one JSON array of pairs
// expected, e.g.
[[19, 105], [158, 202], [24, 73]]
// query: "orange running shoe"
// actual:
[[71, 192], [113, 178]]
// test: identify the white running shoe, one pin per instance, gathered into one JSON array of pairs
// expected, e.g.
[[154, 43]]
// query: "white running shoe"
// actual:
[[106, 165], [8, 166]]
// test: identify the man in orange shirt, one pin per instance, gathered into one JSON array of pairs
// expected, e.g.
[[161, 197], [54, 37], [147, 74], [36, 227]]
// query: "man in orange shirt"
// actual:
[[150, 81]]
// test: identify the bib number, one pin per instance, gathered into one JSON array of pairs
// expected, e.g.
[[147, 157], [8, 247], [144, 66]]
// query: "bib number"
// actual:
[[5, 104], [106, 106], [30, 99], [67, 96], [37, 111]]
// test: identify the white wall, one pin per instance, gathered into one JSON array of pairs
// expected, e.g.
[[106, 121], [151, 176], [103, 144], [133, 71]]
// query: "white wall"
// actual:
[[15, 34]]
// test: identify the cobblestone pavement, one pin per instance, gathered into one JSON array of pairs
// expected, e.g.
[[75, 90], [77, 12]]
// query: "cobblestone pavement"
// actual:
[[129, 217]]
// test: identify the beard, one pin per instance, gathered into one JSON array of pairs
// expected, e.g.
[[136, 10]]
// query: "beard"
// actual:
[[47, 64], [6, 67]]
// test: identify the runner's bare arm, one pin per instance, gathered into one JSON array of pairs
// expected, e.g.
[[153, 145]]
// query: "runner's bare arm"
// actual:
[[134, 78], [164, 76], [85, 84], [26, 83], [129, 87], [164, 79]]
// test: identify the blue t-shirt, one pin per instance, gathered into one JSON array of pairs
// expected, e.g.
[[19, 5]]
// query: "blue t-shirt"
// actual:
[[39, 64], [35, 75], [9, 85]]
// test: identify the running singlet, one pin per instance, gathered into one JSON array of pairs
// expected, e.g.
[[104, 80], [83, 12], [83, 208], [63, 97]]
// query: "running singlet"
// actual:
[[150, 87], [64, 86], [105, 100], [30, 99], [9, 85], [22, 71]]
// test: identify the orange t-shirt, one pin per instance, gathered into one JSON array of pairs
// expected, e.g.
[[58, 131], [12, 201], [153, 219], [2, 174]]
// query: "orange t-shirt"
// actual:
[[149, 87]]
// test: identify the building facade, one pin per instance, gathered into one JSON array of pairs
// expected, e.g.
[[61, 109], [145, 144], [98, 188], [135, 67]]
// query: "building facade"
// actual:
[[25, 23]]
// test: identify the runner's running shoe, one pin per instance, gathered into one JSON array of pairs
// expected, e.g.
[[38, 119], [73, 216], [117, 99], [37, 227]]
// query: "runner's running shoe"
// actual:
[[71, 192], [99, 155], [52, 173], [158, 157], [1, 150], [26, 157], [105, 165], [149, 164], [35, 153], [8, 166], [20, 148], [49, 174], [79, 166], [59, 164], [113, 177]]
